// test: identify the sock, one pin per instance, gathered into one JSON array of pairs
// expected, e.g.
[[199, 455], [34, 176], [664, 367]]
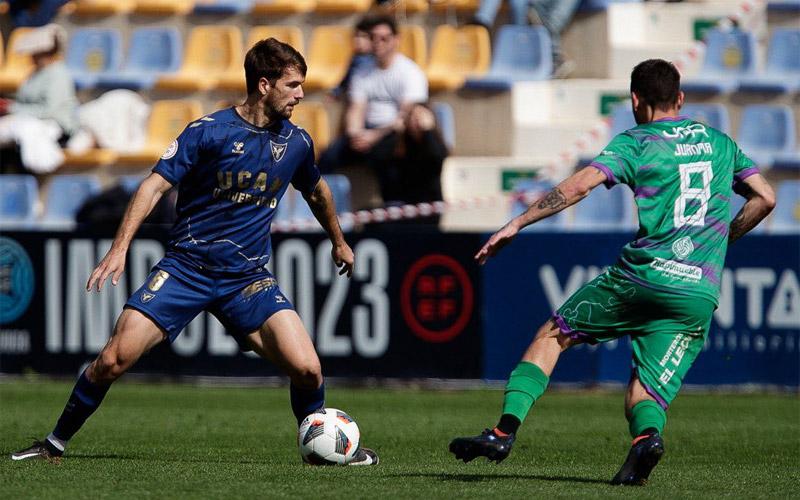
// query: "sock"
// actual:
[[84, 400], [306, 401], [508, 425], [645, 416], [526, 384]]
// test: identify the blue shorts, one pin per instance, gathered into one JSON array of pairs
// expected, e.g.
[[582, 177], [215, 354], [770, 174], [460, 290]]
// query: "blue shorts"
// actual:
[[175, 293]]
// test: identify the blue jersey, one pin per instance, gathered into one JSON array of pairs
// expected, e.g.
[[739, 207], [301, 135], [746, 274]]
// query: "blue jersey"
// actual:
[[231, 176]]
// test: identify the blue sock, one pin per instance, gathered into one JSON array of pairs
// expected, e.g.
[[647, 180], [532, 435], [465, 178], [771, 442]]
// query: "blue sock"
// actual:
[[84, 400], [306, 401]]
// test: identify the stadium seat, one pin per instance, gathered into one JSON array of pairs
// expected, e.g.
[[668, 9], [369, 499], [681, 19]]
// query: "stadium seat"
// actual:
[[329, 54], [786, 216], [342, 6], [100, 7], [790, 6], [446, 122], [93, 157], [91, 53], [459, 6], [152, 52], [130, 183], [521, 53], [340, 189], [605, 210], [782, 73], [456, 54], [407, 6], [167, 120], [622, 118], [526, 191], [234, 78], [163, 7], [713, 115], [278, 7], [313, 117], [16, 67], [766, 131], [66, 194], [589, 6], [228, 7], [18, 198], [413, 45], [211, 52], [730, 55]]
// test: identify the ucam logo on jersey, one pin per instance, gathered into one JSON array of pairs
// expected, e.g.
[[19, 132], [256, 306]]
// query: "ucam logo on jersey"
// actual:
[[278, 150]]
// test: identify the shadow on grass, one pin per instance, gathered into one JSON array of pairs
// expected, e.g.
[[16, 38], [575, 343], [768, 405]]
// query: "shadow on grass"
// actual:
[[469, 478]]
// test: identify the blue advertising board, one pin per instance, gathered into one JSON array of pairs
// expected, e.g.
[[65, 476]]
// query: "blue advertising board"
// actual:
[[754, 338]]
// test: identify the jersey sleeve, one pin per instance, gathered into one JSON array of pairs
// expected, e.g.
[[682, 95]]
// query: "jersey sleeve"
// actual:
[[743, 166], [181, 155], [307, 175], [618, 160]]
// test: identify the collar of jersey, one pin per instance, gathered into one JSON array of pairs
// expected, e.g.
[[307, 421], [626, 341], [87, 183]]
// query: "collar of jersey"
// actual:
[[275, 128], [678, 118]]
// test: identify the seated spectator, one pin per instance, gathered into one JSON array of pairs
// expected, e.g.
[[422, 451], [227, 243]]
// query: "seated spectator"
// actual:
[[385, 126], [44, 114]]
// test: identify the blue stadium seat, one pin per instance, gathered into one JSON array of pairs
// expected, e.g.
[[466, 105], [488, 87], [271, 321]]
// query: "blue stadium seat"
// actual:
[[446, 122], [736, 204], [18, 195], [130, 183], [730, 55], [598, 5], [528, 190], [228, 7], [782, 73], [340, 189], [622, 118], [766, 131], [713, 115], [783, 6], [93, 52], [152, 53], [786, 216], [65, 196], [605, 210], [521, 53]]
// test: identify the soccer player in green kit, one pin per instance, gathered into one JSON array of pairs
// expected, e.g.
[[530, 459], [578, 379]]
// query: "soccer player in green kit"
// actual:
[[665, 286]]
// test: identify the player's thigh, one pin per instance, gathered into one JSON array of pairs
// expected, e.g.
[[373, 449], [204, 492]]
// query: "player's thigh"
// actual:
[[663, 355], [284, 341], [134, 334]]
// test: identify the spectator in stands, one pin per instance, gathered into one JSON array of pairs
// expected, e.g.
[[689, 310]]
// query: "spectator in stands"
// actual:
[[384, 124], [362, 59], [44, 114], [554, 15]]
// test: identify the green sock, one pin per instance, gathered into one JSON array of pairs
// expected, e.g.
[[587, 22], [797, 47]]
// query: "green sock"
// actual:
[[645, 415], [525, 385]]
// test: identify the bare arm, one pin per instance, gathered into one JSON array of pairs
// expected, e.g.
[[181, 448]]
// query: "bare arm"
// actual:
[[355, 118], [321, 203], [760, 202], [140, 206], [569, 192]]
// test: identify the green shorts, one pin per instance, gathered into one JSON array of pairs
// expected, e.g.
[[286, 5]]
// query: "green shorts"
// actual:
[[667, 330]]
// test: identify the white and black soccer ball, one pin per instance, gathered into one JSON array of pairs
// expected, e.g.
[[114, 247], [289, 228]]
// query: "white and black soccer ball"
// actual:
[[328, 437]]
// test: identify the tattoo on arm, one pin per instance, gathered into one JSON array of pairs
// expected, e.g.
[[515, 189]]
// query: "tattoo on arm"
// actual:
[[739, 227], [553, 200]]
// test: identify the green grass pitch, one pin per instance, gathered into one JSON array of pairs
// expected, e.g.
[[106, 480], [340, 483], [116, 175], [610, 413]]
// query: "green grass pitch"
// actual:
[[182, 441]]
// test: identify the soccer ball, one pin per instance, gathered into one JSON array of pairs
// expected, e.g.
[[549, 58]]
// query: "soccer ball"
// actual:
[[328, 437]]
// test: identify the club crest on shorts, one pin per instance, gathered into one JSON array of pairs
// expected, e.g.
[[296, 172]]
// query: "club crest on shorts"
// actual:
[[147, 297], [278, 150]]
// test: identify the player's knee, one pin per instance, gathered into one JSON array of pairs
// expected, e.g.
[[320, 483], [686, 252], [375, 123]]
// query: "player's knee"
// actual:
[[308, 375], [108, 366]]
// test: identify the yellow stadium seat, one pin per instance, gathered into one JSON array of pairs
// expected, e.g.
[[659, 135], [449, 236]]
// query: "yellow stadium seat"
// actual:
[[99, 7], [17, 66], [329, 54], [409, 6], [412, 43], [277, 7], [163, 7], [293, 35], [342, 6], [458, 53], [167, 120], [313, 117], [211, 52], [92, 158], [462, 6]]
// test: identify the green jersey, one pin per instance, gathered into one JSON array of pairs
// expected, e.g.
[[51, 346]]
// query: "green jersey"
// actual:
[[682, 173]]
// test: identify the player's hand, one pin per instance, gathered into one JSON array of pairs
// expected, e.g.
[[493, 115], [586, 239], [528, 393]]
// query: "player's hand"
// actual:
[[498, 240], [344, 258], [113, 264]]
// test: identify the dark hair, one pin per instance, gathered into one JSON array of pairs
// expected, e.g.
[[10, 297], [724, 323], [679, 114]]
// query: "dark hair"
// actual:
[[370, 22], [364, 24], [269, 59], [656, 82]]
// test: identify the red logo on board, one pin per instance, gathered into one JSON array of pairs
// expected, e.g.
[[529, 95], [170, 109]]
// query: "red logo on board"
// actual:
[[436, 298]]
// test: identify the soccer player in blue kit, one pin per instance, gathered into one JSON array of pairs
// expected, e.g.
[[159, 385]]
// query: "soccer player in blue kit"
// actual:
[[231, 168]]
